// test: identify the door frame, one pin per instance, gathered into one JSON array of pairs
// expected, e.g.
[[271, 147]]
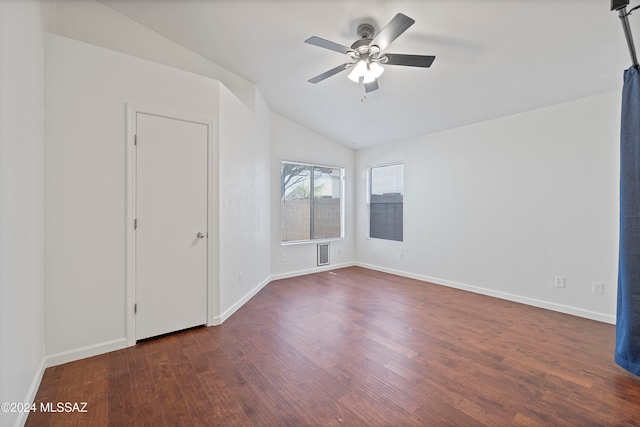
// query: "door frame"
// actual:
[[131, 197]]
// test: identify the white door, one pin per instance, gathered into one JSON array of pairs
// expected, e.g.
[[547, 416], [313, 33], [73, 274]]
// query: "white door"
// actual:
[[171, 231]]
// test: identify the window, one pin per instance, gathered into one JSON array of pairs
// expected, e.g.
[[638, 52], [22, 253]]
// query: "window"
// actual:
[[311, 202], [386, 184]]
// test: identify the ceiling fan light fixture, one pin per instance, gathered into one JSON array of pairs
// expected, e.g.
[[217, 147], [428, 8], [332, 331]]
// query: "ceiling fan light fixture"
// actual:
[[359, 71], [376, 69], [368, 79], [365, 71]]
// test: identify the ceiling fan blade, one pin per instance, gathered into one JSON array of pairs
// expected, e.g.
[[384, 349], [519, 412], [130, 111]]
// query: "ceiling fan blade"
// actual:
[[317, 41], [392, 31], [370, 87], [409, 60], [329, 73]]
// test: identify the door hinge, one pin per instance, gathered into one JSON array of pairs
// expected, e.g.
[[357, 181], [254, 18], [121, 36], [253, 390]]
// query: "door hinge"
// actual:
[[135, 308], [135, 139], [135, 224]]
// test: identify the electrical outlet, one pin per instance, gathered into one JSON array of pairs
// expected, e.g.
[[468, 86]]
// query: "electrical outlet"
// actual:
[[560, 282], [400, 256], [598, 288], [239, 277], [283, 258]]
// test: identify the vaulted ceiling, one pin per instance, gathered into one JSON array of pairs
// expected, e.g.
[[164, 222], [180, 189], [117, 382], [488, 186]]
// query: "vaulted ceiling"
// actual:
[[493, 57]]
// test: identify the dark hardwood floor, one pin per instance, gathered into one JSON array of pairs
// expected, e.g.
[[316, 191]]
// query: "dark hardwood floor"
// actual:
[[357, 347]]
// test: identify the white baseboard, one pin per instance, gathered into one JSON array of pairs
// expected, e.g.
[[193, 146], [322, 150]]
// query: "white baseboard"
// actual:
[[84, 352], [31, 393], [575, 311], [105, 347], [218, 320], [228, 312], [311, 270]]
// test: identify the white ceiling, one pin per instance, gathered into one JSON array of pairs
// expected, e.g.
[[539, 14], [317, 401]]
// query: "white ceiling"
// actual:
[[493, 57]]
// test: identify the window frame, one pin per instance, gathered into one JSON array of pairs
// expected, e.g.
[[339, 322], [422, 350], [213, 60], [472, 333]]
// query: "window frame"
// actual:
[[312, 205], [368, 199]]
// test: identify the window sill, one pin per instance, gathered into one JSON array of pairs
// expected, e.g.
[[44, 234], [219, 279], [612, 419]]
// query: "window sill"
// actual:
[[315, 241]]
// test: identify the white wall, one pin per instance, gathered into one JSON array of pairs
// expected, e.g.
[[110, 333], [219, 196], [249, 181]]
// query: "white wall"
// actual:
[[503, 207], [87, 89], [244, 201], [21, 204], [292, 142], [93, 22], [262, 183]]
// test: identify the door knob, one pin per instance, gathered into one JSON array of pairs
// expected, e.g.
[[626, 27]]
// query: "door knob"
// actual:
[[200, 235]]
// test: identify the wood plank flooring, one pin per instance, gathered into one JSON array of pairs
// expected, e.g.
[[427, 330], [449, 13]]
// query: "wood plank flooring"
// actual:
[[356, 347]]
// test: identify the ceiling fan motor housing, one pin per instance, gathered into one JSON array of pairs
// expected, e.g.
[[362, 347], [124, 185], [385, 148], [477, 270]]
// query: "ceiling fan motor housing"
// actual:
[[361, 47], [365, 31]]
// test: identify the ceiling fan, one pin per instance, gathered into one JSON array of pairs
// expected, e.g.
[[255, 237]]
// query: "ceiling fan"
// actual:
[[366, 54]]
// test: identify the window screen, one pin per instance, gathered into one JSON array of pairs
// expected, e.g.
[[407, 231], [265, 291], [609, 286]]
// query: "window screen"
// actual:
[[386, 185], [311, 202]]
